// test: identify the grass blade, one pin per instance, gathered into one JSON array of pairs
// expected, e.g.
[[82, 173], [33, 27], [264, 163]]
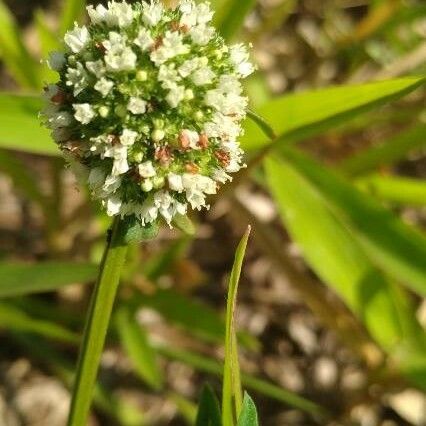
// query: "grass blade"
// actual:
[[208, 409], [385, 153], [392, 245], [232, 392], [311, 113], [135, 341], [22, 279], [233, 18]]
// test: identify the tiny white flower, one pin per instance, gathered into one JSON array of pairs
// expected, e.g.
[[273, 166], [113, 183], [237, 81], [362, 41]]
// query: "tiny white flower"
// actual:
[[144, 39], [192, 137], [111, 185], [128, 137], [147, 170], [203, 76], [120, 14], [172, 46], [98, 15], [84, 113], [119, 154], [175, 182], [240, 58], [175, 95], [137, 105], [204, 13], [56, 61], [78, 78], [104, 86], [152, 13], [77, 39], [119, 56], [113, 205], [96, 67], [201, 34]]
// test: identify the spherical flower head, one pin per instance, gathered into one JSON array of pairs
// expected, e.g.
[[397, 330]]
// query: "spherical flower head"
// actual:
[[149, 103]]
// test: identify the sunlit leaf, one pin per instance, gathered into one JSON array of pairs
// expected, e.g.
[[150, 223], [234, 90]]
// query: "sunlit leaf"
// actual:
[[301, 115], [394, 246], [20, 127], [233, 17], [232, 398], [248, 416], [72, 11]]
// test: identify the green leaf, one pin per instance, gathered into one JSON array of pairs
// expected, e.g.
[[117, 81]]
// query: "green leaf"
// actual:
[[232, 392], [15, 55], [332, 252], [15, 319], [72, 11], [182, 310], [339, 259], [386, 152], [135, 342], [397, 190], [248, 416], [233, 16], [208, 409], [48, 39], [397, 248], [301, 115], [20, 279], [20, 127]]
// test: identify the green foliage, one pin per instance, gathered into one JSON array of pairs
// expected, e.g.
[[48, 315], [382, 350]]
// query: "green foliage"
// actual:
[[248, 416], [302, 115], [14, 53], [208, 409], [21, 279], [232, 393], [134, 340], [72, 11], [391, 244], [20, 127]]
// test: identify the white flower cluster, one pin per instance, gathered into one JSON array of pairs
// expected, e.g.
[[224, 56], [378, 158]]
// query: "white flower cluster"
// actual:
[[150, 103]]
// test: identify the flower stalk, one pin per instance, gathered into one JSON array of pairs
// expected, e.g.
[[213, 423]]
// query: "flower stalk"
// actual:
[[96, 325]]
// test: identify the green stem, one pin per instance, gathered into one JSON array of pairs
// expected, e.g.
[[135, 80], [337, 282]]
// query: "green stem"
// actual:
[[96, 326]]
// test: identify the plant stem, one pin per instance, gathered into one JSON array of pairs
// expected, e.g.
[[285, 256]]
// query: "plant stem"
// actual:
[[96, 326]]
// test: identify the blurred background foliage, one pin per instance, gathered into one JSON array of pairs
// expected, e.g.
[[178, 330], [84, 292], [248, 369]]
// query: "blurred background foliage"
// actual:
[[332, 313]]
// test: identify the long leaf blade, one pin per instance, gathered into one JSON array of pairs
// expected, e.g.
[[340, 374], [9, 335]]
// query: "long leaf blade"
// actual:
[[392, 245], [20, 279], [232, 392], [135, 341], [301, 115], [208, 409]]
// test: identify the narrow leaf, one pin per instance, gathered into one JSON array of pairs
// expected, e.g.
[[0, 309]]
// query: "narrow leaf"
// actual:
[[394, 246], [13, 318], [20, 279], [232, 392], [386, 152], [135, 342], [208, 409], [301, 115], [248, 416]]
